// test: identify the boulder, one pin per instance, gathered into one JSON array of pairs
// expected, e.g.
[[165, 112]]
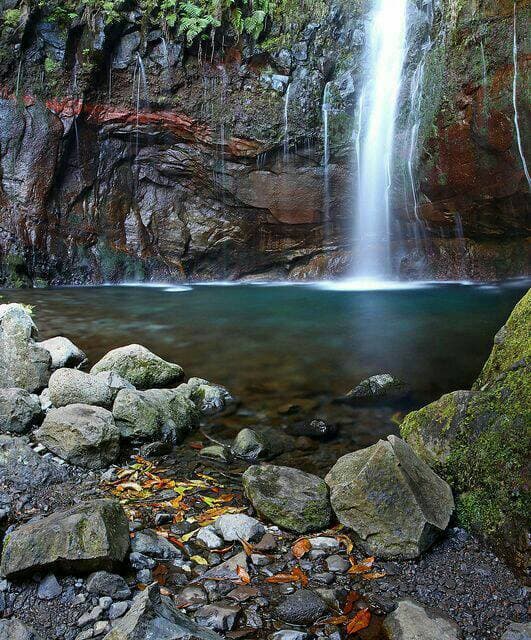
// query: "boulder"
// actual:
[[375, 388], [209, 398], [23, 363], [114, 381], [155, 616], [395, 504], [64, 353], [70, 386], [16, 630], [140, 367], [136, 416], [21, 467], [19, 410], [81, 434], [411, 621], [87, 537], [516, 631], [250, 445], [289, 498], [432, 430], [178, 414]]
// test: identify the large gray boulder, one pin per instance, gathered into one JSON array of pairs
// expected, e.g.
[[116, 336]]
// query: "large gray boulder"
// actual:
[[23, 363], [21, 467], [178, 414], [114, 381], [91, 536], [70, 386], [154, 616], [395, 504], [64, 353], [411, 621], [289, 498], [81, 434], [19, 410], [15, 630], [140, 367]]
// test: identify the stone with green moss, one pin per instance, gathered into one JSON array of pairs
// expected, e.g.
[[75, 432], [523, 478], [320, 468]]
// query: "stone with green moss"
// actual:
[[85, 538], [291, 499], [140, 367]]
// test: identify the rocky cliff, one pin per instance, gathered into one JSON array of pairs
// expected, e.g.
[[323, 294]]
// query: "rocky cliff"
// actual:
[[141, 144]]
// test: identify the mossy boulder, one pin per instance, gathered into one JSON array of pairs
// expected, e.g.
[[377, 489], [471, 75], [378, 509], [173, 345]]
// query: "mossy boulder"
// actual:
[[394, 503], [94, 535], [480, 441], [136, 416], [140, 367], [291, 499]]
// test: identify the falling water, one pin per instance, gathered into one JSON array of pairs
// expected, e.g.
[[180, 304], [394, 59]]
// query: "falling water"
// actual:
[[286, 122], [516, 118], [140, 96], [326, 157], [19, 75], [386, 52], [484, 64]]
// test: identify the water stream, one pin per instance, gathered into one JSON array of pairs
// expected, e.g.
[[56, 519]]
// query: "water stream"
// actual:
[[386, 48], [516, 116], [326, 154], [286, 122]]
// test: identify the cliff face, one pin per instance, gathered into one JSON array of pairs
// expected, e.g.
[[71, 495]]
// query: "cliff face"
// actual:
[[128, 150]]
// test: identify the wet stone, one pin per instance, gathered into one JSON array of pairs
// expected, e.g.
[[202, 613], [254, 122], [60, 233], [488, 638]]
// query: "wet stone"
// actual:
[[301, 608], [219, 616]]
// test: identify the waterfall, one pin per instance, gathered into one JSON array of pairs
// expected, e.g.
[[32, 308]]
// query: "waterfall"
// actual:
[[516, 118], [140, 97], [326, 156], [386, 49], [286, 122]]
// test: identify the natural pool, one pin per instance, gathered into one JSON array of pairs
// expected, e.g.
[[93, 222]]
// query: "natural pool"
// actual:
[[274, 346]]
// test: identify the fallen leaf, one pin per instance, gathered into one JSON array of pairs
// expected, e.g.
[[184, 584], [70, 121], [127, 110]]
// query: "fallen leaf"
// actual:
[[301, 548], [349, 545], [338, 620], [363, 566], [188, 536], [373, 576], [243, 575], [134, 486], [296, 575], [247, 547], [352, 597], [159, 573], [360, 621], [199, 560]]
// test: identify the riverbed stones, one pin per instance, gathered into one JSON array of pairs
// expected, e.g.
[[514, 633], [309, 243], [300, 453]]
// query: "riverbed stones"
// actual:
[[395, 504], [16, 630], [114, 381], [177, 413], [19, 410], [103, 583], [411, 621], [70, 386], [155, 616], [140, 367], [87, 537], [21, 467], [64, 353], [302, 608], [81, 434], [220, 616], [289, 498], [233, 527], [516, 631], [209, 398], [23, 363]]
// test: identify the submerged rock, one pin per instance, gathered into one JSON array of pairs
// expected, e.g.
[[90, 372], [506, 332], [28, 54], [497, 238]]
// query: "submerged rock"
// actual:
[[23, 363], [19, 410], [81, 434], [16, 630], [140, 367], [382, 386], [395, 504], [87, 537], [70, 386], [155, 616], [289, 498], [411, 621], [250, 445], [64, 353], [316, 429], [209, 398], [220, 616]]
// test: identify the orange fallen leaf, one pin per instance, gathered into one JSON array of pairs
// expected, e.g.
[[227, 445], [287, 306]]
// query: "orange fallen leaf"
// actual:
[[338, 620], [296, 575], [243, 575], [352, 597], [159, 574], [301, 548], [363, 566], [373, 576], [196, 445], [247, 547], [302, 577], [360, 621]]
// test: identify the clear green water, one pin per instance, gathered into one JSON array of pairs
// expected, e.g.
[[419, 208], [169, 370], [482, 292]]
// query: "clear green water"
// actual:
[[286, 342]]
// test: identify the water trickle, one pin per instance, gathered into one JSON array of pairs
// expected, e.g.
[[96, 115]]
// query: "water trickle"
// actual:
[[326, 156], [483, 64], [385, 60], [516, 117], [140, 99], [286, 122], [19, 76]]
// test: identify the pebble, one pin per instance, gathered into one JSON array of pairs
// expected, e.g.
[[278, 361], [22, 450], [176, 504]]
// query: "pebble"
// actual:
[[118, 609], [105, 602], [49, 588], [219, 617], [301, 608], [209, 538], [238, 526], [90, 617], [337, 564], [321, 543]]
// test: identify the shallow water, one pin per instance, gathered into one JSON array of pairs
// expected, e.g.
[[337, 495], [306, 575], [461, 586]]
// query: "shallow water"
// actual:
[[272, 345]]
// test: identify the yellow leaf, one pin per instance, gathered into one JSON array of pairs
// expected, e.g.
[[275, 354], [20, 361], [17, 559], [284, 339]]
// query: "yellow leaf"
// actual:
[[199, 560], [189, 536]]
